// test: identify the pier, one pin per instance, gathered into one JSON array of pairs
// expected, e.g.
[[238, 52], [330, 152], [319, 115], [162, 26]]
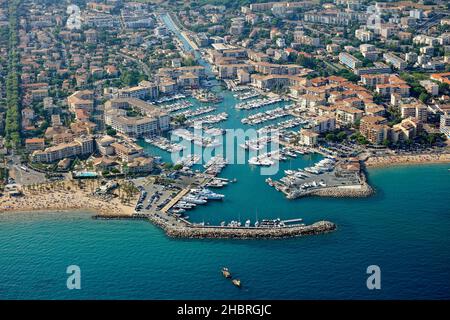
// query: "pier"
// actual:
[[183, 230], [175, 200], [120, 217]]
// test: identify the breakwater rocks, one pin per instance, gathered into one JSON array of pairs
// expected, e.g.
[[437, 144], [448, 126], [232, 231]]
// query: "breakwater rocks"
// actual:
[[184, 230], [358, 191], [120, 217]]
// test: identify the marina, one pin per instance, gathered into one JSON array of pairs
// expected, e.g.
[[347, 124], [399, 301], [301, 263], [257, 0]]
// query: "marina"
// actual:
[[217, 183], [233, 87], [199, 140], [188, 160], [164, 144], [259, 143], [203, 95], [258, 103], [288, 124], [179, 105], [267, 116], [209, 119], [174, 97], [270, 158], [197, 112], [214, 132], [247, 94], [87, 182], [215, 165]]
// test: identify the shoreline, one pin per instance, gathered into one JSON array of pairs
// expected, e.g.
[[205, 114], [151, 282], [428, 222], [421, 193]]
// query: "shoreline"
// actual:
[[80, 204], [60, 198], [402, 160]]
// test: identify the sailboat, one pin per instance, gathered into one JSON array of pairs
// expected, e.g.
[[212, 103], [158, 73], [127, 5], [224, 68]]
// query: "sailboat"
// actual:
[[256, 221]]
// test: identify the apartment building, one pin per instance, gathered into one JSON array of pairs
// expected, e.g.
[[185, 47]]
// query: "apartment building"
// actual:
[[104, 145], [79, 147], [308, 138], [127, 151], [139, 165], [324, 124], [374, 129], [405, 130], [396, 62], [33, 144], [413, 109], [348, 115], [378, 68], [431, 87], [153, 121], [395, 85], [349, 60], [270, 82], [229, 71], [371, 80], [81, 100], [302, 39], [145, 90], [272, 68], [363, 35], [444, 124]]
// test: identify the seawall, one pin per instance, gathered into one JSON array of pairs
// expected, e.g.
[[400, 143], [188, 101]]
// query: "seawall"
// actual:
[[183, 230], [357, 191]]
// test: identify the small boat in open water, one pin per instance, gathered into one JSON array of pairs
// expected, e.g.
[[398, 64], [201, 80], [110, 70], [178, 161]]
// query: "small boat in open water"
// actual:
[[226, 273], [236, 282]]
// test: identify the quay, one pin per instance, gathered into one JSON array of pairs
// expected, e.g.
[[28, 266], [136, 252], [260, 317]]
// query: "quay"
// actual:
[[177, 227], [175, 200], [183, 230], [344, 178]]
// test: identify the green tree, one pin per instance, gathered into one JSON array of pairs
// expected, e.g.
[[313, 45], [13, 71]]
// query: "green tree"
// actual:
[[424, 97], [178, 167], [330, 137], [341, 136], [110, 131]]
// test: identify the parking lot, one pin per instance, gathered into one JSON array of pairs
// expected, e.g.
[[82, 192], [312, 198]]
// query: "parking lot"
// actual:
[[154, 197], [26, 176], [157, 194]]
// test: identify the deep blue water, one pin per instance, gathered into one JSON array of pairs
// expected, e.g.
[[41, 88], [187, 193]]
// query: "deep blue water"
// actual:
[[403, 229]]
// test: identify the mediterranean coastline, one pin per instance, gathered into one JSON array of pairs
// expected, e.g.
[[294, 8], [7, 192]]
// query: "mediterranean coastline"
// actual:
[[416, 159], [224, 149]]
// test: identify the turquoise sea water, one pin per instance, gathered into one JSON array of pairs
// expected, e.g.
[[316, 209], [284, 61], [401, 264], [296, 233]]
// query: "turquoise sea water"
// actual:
[[403, 229]]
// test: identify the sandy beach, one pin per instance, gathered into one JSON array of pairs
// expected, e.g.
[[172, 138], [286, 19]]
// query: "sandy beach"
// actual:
[[394, 160], [63, 198]]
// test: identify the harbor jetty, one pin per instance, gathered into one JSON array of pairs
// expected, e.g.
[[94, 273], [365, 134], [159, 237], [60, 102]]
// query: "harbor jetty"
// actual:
[[120, 217], [357, 191], [187, 230]]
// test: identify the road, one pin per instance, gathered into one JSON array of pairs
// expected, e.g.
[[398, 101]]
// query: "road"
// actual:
[[424, 27]]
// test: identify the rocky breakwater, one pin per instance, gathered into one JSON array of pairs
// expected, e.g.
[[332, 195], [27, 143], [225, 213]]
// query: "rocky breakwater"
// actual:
[[183, 229], [355, 191]]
